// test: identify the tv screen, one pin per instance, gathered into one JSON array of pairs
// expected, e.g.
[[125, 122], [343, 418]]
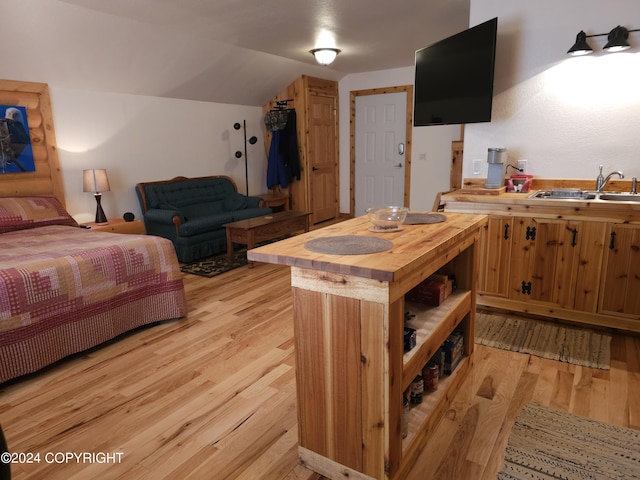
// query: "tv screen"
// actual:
[[454, 78]]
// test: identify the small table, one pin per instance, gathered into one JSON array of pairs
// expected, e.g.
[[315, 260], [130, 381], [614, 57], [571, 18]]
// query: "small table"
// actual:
[[263, 228], [277, 200], [118, 225]]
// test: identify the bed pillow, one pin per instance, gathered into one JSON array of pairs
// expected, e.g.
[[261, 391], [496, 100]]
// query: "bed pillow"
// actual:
[[21, 213]]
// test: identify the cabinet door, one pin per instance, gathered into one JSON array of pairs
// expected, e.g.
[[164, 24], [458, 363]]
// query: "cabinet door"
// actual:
[[590, 240], [323, 158], [620, 289], [544, 261], [495, 256]]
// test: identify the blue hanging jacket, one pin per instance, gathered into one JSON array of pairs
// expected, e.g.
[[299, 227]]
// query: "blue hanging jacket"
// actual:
[[276, 171]]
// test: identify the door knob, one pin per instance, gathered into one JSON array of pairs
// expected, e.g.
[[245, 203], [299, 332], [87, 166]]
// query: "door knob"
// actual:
[[398, 165], [401, 148]]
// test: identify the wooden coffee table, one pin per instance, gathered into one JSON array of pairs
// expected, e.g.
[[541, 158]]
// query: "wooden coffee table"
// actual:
[[267, 227]]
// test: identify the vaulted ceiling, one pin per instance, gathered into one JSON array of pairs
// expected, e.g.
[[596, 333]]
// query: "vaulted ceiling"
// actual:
[[227, 51]]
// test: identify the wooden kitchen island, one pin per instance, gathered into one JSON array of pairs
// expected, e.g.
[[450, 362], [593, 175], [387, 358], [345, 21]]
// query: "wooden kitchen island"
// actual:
[[351, 368]]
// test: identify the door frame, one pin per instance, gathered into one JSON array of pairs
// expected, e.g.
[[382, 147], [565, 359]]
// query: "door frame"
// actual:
[[352, 140]]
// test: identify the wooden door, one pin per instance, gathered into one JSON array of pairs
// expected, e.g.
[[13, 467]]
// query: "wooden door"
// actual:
[[323, 157], [380, 144], [591, 236], [545, 261], [495, 256], [620, 289]]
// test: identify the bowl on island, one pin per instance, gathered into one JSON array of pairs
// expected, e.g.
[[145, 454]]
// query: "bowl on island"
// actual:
[[387, 218]]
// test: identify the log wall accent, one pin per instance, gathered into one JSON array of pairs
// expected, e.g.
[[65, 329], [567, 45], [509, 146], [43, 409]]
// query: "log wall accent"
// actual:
[[47, 178]]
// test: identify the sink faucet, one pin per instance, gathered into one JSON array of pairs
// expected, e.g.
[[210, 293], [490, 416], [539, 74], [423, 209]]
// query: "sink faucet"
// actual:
[[601, 181]]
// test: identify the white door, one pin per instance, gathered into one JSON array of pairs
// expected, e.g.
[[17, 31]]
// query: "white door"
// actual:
[[380, 150]]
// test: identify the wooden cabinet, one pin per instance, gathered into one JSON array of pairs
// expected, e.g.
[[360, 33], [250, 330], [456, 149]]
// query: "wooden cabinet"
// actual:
[[575, 260], [620, 288], [351, 368], [495, 256], [542, 260], [316, 104], [554, 262]]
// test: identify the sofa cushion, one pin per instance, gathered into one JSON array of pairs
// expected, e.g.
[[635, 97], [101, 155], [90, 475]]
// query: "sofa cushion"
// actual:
[[235, 201], [204, 209], [197, 225], [181, 194]]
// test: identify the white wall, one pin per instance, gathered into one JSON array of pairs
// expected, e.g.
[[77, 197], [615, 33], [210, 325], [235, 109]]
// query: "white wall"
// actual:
[[560, 113], [140, 139], [565, 115], [430, 174]]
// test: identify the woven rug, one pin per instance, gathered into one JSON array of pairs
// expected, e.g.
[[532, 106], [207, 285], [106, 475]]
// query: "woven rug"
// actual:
[[544, 339], [550, 444], [217, 264], [212, 266]]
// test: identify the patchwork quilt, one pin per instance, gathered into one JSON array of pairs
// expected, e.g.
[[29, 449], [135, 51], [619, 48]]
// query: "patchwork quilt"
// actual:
[[64, 289]]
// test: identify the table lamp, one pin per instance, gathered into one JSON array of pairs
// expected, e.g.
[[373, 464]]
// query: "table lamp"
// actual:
[[96, 181]]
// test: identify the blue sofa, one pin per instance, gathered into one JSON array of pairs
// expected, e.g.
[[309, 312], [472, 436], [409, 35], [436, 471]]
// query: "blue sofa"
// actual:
[[191, 212]]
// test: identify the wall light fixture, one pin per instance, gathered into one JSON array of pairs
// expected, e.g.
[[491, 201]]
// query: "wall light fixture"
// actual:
[[617, 41]]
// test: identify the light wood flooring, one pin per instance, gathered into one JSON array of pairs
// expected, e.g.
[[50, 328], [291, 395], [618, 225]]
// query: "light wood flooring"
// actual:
[[213, 396]]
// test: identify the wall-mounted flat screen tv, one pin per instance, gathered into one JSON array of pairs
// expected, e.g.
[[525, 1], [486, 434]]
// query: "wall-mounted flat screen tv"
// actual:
[[454, 78]]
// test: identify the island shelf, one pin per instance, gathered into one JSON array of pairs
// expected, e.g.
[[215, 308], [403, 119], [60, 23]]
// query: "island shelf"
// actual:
[[351, 368]]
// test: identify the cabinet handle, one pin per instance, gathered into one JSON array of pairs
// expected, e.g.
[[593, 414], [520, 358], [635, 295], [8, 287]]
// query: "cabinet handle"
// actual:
[[531, 233], [313, 169], [506, 231], [575, 237], [612, 242], [526, 287]]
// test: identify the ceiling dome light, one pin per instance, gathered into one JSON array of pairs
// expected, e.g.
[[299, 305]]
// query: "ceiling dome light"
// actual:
[[617, 40], [325, 56]]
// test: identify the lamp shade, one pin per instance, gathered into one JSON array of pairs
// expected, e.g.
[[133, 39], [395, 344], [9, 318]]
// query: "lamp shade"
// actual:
[[325, 56], [95, 181], [617, 40], [581, 47]]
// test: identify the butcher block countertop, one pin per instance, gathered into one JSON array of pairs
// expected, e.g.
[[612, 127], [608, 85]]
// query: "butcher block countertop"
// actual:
[[520, 204], [412, 247], [475, 199]]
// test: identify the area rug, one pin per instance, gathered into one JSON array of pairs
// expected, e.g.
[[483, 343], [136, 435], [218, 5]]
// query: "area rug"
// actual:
[[217, 264], [544, 339], [212, 266], [546, 443]]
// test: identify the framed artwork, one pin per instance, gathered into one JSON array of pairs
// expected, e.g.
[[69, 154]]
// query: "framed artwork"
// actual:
[[16, 152], [46, 177]]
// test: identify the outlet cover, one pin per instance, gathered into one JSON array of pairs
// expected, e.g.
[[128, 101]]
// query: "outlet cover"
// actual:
[[522, 165]]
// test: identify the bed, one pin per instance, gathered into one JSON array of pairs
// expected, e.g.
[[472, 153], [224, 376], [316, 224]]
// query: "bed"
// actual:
[[64, 289]]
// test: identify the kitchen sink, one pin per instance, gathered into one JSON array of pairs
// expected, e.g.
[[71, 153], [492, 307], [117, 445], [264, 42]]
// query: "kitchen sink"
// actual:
[[619, 197], [577, 194], [564, 194]]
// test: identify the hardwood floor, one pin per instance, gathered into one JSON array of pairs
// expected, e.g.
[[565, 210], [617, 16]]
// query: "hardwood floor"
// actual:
[[213, 396]]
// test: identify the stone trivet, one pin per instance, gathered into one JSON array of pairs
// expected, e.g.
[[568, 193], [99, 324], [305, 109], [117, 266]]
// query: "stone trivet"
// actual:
[[348, 245], [420, 218]]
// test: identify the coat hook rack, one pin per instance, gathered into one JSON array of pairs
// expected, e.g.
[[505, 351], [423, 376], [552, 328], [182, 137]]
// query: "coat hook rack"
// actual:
[[252, 141]]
